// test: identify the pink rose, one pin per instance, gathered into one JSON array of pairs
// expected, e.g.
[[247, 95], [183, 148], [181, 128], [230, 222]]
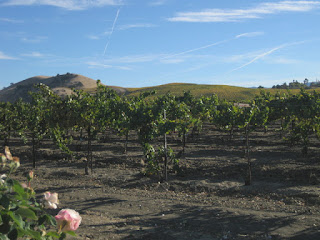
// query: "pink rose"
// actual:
[[68, 220]]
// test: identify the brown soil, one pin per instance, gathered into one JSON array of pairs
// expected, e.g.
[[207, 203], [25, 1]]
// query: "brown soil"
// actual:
[[206, 200]]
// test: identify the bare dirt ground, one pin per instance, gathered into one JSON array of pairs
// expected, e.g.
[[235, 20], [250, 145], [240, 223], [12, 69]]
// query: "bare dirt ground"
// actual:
[[207, 200]]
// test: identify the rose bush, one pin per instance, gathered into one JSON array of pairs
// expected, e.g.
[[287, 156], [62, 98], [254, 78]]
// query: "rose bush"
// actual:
[[21, 216]]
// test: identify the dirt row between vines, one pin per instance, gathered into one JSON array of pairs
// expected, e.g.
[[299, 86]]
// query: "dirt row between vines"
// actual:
[[206, 200]]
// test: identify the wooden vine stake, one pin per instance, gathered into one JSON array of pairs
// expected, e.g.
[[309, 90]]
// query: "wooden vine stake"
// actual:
[[249, 172], [165, 151]]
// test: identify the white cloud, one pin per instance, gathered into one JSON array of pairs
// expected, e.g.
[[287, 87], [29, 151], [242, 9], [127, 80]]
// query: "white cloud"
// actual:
[[10, 20], [93, 37], [102, 65], [66, 4], [136, 58], [98, 36], [33, 54], [249, 34], [153, 58], [240, 58], [172, 61], [234, 15], [157, 2], [36, 39], [6, 57], [138, 25]]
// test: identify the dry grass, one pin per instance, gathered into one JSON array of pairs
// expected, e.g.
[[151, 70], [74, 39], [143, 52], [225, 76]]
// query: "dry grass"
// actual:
[[230, 93]]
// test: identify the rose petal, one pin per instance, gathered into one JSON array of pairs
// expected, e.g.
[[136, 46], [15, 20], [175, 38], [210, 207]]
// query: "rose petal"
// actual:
[[7, 153], [68, 220]]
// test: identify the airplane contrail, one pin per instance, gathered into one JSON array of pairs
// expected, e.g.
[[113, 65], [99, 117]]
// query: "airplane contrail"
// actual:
[[248, 34], [266, 54], [258, 57], [196, 49], [109, 38]]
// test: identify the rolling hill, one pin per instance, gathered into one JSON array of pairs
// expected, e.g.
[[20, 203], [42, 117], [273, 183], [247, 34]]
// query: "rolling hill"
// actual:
[[60, 84], [63, 84]]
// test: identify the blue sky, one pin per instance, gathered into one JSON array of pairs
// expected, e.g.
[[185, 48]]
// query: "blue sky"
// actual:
[[137, 43]]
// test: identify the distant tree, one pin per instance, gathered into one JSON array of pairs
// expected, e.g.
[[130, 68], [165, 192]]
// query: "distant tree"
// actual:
[[296, 85], [292, 85]]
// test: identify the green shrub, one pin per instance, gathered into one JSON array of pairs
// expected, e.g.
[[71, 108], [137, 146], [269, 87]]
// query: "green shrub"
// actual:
[[21, 216]]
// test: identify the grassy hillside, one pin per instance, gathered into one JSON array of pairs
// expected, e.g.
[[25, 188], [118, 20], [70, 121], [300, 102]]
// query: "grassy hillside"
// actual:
[[230, 93]]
